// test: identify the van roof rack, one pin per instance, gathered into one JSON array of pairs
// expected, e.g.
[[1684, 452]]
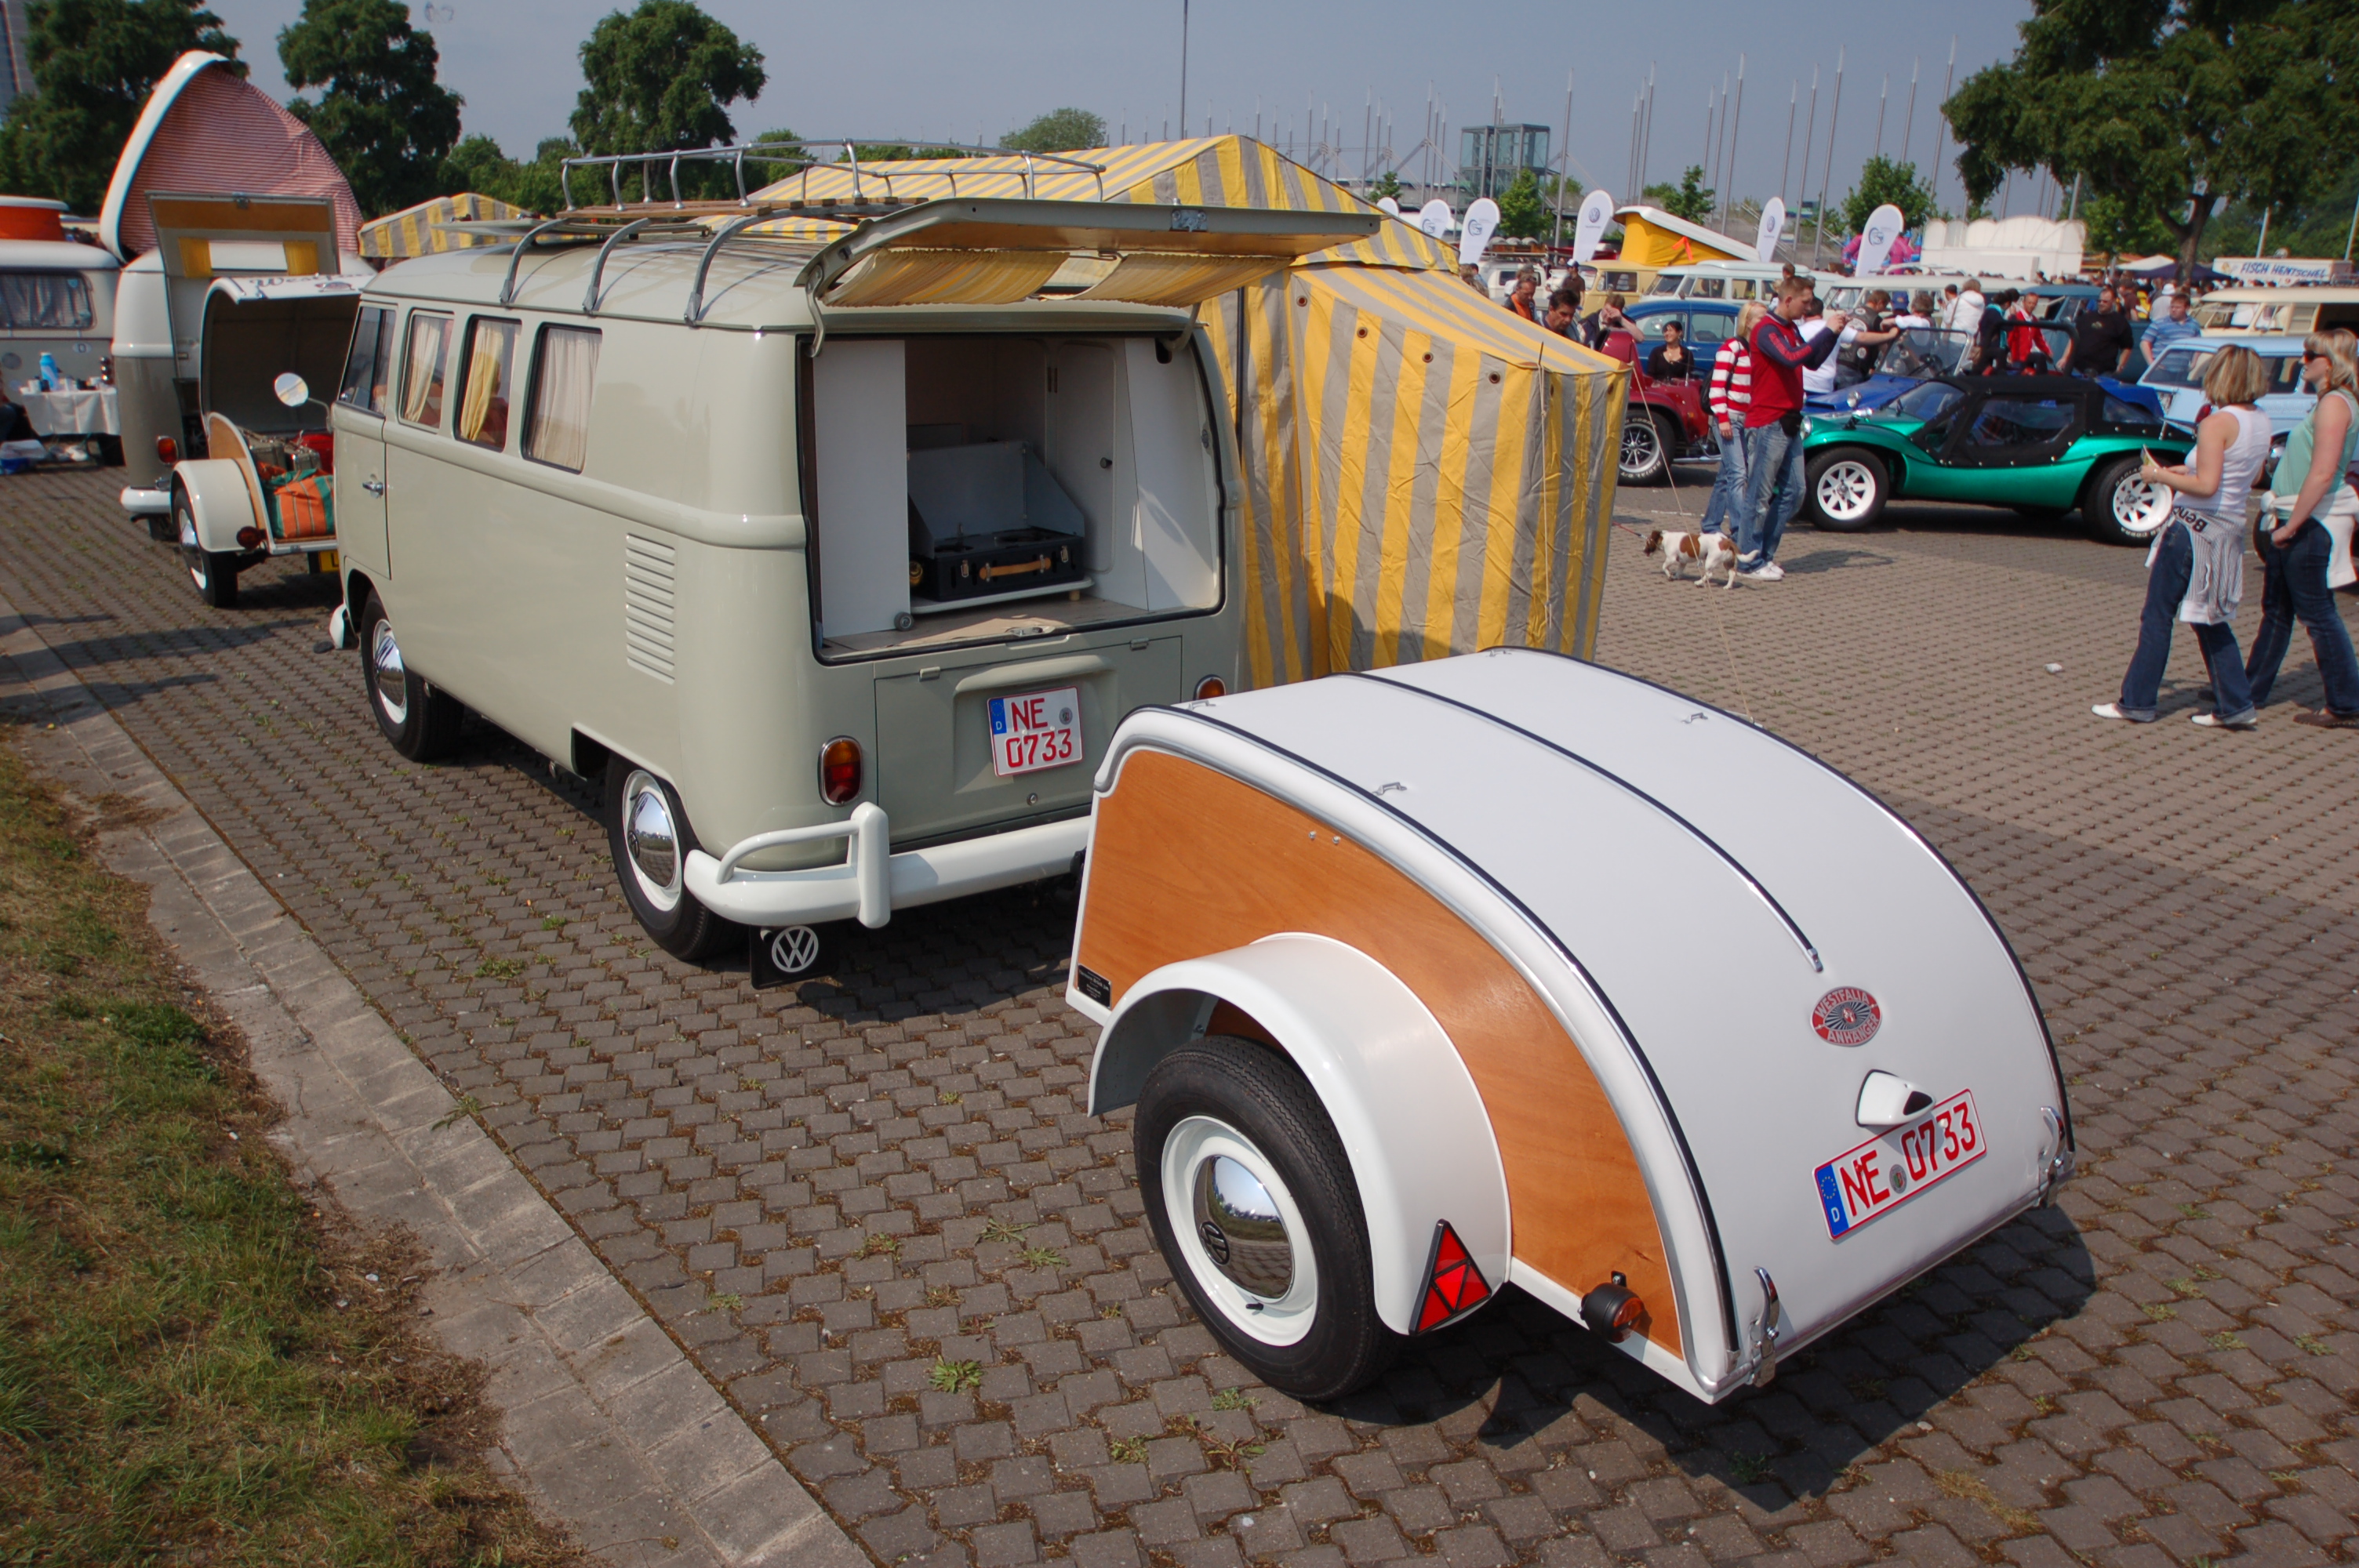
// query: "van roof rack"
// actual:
[[862, 204]]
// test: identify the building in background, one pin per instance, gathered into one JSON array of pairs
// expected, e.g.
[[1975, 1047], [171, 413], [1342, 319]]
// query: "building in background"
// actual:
[[15, 62], [1491, 156]]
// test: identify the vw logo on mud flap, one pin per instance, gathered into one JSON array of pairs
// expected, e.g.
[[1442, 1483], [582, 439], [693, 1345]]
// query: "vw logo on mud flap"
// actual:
[[794, 949]]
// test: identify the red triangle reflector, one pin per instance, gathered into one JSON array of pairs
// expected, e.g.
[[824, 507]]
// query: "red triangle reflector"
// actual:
[[1454, 1286]]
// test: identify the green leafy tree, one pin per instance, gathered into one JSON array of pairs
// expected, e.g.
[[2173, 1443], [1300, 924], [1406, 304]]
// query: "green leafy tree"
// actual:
[[381, 115], [95, 62], [2165, 104], [1059, 131], [1882, 180], [1385, 184], [1690, 199], [477, 164], [1522, 214], [661, 78]]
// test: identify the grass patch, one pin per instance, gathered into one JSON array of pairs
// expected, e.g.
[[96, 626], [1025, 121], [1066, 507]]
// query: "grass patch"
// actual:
[[198, 1362]]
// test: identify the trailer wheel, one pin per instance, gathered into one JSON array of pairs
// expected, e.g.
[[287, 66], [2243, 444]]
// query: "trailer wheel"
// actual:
[[646, 835], [213, 572], [1255, 1208], [421, 720]]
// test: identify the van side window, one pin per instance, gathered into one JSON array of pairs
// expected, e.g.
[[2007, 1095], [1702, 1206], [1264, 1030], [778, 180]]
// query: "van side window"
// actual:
[[45, 301], [422, 370], [368, 369], [558, 431], [484, 396]]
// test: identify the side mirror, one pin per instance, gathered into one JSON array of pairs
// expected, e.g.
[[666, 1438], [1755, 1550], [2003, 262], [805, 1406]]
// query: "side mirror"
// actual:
[[291, 389]]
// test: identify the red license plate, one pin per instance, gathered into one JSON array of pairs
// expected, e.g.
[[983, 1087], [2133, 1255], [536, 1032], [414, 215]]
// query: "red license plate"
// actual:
[[1879, 1175], [1036, 732]]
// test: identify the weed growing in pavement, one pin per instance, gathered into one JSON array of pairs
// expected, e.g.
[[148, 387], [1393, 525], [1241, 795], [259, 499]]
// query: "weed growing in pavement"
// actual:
[[951, 1097], [2160, 1313], [1749, 1468], [468, 1106], [1128, 1450], [552, 923], [1112, 1309], [1974, 1490], [725, 1300], [881, 1243], [498, 969], [1233, 1400], [941, 1296], [1042, 1258], [956, 1377], [1006, 1230], [196, 1363], [2314, 1345], [2227, 1340]]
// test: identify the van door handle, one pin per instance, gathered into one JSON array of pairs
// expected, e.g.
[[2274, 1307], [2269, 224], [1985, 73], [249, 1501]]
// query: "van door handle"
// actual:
[[374, 486]]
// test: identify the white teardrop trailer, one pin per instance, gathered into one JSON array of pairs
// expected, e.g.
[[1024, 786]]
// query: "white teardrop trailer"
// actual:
[[1468, 973]]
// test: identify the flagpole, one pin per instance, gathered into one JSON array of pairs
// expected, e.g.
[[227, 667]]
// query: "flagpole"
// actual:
[[1728, 163], [1827, 171]]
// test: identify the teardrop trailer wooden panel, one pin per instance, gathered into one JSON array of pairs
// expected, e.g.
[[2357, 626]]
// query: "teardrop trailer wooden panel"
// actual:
[[1402, 997]]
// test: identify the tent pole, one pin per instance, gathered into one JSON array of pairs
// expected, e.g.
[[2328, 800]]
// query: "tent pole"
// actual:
[[1183, 68]]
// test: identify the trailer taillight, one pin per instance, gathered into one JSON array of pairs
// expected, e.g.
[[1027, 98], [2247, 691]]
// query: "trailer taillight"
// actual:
[[168, 450], [249, 538], [839, 771], [1454, 1285], [1211, 686], [1612, 1309]]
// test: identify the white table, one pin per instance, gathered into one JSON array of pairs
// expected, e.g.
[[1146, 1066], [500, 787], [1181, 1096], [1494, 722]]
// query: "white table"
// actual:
[[66, 414]]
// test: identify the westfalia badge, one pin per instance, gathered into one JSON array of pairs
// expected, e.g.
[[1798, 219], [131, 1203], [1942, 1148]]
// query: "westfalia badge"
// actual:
[[1846, 1016]]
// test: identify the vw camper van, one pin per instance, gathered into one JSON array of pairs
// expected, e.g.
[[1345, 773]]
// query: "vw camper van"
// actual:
[[838, 557], [56, 295]]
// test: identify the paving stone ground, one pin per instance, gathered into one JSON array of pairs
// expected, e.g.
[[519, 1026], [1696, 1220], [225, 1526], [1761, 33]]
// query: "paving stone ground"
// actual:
[[872, 1210]]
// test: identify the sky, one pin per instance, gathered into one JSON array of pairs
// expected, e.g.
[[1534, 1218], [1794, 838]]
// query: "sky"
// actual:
[[893, 69]]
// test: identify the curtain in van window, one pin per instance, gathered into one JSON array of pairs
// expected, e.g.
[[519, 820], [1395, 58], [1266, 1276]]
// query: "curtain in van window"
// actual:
[[559, 430], [483, 406], [421, 383], [45, 301]]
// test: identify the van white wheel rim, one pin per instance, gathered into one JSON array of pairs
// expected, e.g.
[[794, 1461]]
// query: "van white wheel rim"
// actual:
[[1192, 1153], [2140, 508], [1847, 490], [651, 840], [1641, 444], [389, 676]]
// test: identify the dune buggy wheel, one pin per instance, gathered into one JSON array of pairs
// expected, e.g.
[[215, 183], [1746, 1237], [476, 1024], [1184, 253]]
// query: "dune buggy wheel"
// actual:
[[647, 832], [421, 723], [2120, 508], [213, 573], [1646, 442], [1847, 488], [1254, 1206]]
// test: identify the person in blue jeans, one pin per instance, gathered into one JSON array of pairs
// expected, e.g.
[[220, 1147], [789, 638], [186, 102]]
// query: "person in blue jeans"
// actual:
[[2296, 548], [1773, 428], [2195, 571], [1730, 395]]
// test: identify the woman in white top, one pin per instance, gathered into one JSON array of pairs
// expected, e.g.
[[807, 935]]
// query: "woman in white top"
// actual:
[[2305, 535], [2195, 572]]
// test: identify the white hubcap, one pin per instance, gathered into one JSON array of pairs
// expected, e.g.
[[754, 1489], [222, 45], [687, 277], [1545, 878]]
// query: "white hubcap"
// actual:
[[2140, 508], [1847, 490], [1240, 1234]]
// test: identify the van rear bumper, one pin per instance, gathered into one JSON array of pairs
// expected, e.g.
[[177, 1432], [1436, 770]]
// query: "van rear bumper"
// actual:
[[142, 501], [873, 882]]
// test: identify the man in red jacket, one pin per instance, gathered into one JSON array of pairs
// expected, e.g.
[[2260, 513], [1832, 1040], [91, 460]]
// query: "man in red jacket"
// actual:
[[1773, 428]]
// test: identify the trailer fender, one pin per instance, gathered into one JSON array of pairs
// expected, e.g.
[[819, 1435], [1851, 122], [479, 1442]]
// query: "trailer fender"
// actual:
[[220, 503], [1407, 1112]]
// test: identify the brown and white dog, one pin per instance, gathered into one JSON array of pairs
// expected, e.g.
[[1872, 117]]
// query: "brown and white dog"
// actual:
[[1677, 549]]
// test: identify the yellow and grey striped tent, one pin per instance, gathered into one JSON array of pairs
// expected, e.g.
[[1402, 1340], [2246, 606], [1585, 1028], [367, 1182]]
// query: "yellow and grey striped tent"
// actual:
[[1425, 473], [416, 230]]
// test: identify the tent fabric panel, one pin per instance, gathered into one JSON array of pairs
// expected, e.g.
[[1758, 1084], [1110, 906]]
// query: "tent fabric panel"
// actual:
[[1649, 244], [418, 231], [1249, 339], [946, 277], [221, 133], [1145, 277]]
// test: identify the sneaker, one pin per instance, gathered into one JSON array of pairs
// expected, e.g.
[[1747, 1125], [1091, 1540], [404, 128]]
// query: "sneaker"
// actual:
[[2322, 719], [2213, 721], [2115, 711], [1767, 571]]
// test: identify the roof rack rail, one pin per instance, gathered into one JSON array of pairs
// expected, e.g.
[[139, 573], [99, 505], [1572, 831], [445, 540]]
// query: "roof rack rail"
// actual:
[[790, 152]]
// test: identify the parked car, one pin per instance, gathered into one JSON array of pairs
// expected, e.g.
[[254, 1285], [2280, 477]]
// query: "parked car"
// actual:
[[266, 485], [2176, 377], [1916, 354], [2044, 445], [842, 593], [1732, 280], [57, 298], [1666, 421], [1379, 963], [2254, 310]]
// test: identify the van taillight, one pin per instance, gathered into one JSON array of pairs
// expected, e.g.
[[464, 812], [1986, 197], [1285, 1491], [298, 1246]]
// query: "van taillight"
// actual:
[[168, 450], [1211, 686], [839, 771]]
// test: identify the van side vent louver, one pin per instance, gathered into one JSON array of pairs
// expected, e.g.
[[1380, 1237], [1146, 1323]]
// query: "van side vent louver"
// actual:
[[648, 606]]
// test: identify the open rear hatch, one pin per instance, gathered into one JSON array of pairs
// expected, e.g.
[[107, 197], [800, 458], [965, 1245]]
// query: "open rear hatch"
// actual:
[[202, 237]]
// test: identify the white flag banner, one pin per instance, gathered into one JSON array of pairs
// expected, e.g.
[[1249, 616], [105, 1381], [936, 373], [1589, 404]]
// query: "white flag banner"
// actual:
[[1596, 211], [1773, 224], [1884, 226], [1475, 232], [1389, 205], [1434, 217]]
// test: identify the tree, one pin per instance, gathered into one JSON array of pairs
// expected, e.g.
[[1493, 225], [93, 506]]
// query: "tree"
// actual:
[[1882, 180], [95, 62], [1692, 199], [478, 165], [2166, 104], [661, 78], [1385, 184], [1522, 214], [1059, 131], [383, 117]]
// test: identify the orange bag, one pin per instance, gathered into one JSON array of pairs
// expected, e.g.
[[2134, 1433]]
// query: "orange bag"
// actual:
[[306, 509]]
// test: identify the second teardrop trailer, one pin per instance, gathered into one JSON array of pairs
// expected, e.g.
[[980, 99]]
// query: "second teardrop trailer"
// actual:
[[1384, 963], [838, 560]]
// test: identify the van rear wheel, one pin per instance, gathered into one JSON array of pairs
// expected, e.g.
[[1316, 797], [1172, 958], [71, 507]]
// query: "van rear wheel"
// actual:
[[422, 721], [646, 833], [1253, 1203]]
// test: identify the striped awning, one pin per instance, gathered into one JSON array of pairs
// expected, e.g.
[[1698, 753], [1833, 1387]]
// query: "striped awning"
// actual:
[[417, 230]]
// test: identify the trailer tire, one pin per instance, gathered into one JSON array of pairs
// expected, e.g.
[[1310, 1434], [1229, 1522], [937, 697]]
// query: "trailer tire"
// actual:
[[1230, 1131], [652, 865], [213, 573], [421, 720]]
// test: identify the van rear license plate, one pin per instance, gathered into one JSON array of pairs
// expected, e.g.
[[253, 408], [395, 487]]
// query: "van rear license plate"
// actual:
[[1042, 731], [1889, 1169]]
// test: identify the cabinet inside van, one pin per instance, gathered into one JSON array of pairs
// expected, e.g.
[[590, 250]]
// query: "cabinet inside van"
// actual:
[[973, 488]]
